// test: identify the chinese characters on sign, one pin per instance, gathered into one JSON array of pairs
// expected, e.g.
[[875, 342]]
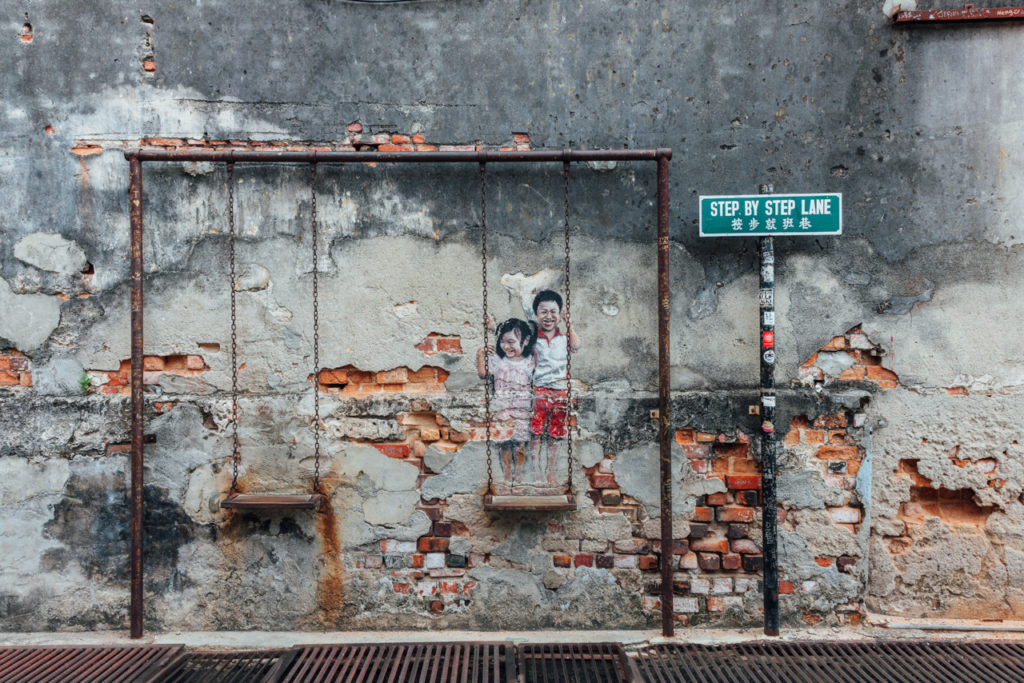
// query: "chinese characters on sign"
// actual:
[[771, 214]]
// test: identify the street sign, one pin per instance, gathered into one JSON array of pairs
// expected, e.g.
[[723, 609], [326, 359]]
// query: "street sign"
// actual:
[[771, 214]]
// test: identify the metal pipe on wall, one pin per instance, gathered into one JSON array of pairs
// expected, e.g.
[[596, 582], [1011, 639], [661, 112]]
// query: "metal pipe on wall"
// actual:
[[664, 396], [137, 400]]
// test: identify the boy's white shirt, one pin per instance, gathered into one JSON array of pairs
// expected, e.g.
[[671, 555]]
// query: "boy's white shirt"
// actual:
[[552, 361]]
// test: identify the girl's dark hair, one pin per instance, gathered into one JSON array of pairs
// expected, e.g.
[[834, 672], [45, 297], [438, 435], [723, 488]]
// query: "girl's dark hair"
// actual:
[[527, 334]]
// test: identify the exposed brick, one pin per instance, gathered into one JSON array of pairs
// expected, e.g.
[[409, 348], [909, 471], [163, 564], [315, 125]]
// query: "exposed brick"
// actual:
[[731, 561], [831, 421], [561, 560], [838, 453], [436, 605], [603, 481], [698, 531], [449, 345], [824, 561], [735, 514], [704, 437], [626, 561], [717, 499], [685, 437], [396, 376], [846, 562], [604, 561], [153, 363], [195, 363], [457, 561], [786, 587], [442, 529], [837, 343], [648, 563], [737, 531], [8, 379], [743, 482], [745, 546], [813, 436], [710, 544], [702, 514], [393, 450], [432, 545], [583, 561], [709, 562]]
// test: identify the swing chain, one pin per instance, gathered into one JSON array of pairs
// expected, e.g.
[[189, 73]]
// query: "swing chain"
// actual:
[[236, 454], [316, 340], [568, 355], [487, 360]]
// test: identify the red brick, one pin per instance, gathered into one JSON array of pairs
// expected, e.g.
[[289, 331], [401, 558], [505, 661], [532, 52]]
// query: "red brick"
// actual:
[[717, 499], [583, 561], [753, 563], [418, 139], [747, 497], [710, 544], [835, 344], [648, 563], [685, 437], [731, 561], [5, 362], [709, 562], [401, 587], [417, 561], [8, 379], [735, 514], [838, 453], [702, 514], [396, 376], [603, 481], [449, 345], [824, 561], [561, 560], [745, 546], [814, 436], [877, 373], [195, 363], [785, 587], [399, 139], [846, 562], [432, 545], [743, 481], [393, 450], [436, 605], [153, 363], [704, 437], [337, 376], [427, 346], [831, 421], [395, 148]]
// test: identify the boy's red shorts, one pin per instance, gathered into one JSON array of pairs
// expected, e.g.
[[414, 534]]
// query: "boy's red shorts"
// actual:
[[549, 409]]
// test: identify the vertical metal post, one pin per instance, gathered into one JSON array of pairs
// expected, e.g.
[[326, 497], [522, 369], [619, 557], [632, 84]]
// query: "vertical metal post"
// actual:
[[664, 393], [766, 297], [135, 505]]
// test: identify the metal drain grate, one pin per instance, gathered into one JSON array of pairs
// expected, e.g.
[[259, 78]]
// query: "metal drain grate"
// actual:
[[811, 662], [228, 667], [574, 663], [84, 664], [402, 663]]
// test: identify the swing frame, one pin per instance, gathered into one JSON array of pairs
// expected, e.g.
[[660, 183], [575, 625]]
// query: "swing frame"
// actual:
[[136, 158]]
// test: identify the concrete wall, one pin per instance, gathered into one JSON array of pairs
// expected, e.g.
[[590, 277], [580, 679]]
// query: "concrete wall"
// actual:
[[901, 465]]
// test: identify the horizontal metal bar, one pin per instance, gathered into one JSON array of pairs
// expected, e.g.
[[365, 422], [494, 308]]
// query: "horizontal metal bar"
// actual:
[[967, 14], [310, 156]]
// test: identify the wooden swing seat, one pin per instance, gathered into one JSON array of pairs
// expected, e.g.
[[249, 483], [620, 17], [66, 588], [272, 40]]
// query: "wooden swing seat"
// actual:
[[273, 501], [544, 503]]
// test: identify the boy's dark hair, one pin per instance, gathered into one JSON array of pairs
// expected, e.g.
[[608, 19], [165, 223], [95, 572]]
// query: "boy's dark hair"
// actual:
[[527, 335], [546, 295]]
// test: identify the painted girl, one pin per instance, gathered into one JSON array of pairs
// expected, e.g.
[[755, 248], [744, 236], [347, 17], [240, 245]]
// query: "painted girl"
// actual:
[[511, 367]]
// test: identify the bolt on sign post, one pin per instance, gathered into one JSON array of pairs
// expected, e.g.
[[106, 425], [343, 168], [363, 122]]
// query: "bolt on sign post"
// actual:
[[766, 215]]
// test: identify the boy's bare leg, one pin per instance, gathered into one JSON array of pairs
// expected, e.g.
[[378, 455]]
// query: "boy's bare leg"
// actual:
[[553, 448]]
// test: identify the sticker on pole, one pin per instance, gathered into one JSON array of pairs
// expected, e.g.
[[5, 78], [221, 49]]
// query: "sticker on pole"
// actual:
[[771, 214]]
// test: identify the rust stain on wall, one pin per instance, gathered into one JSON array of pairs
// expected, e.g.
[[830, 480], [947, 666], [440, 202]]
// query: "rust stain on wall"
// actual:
[[332, 584]]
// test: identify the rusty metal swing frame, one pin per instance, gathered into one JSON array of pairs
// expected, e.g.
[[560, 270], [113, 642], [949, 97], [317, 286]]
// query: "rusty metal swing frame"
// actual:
[[136, 158]]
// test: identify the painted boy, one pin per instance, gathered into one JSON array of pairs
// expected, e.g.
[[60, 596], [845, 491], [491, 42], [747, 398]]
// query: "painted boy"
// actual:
[[550, 385]]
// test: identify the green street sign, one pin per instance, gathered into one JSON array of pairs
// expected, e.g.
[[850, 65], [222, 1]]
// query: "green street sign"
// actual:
[[771, 214]]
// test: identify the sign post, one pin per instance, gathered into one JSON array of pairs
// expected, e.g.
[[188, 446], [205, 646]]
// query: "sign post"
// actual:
[[766, 215]]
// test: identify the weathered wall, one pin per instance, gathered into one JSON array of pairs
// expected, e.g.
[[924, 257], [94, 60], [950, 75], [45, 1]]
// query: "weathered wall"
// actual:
[[901, 466]]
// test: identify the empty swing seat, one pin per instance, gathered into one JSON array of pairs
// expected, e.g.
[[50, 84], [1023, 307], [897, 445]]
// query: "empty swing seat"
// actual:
[[543, 503], [273, 501]]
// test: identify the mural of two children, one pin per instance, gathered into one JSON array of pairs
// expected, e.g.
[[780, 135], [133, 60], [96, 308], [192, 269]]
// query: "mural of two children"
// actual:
[[528, 369]]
